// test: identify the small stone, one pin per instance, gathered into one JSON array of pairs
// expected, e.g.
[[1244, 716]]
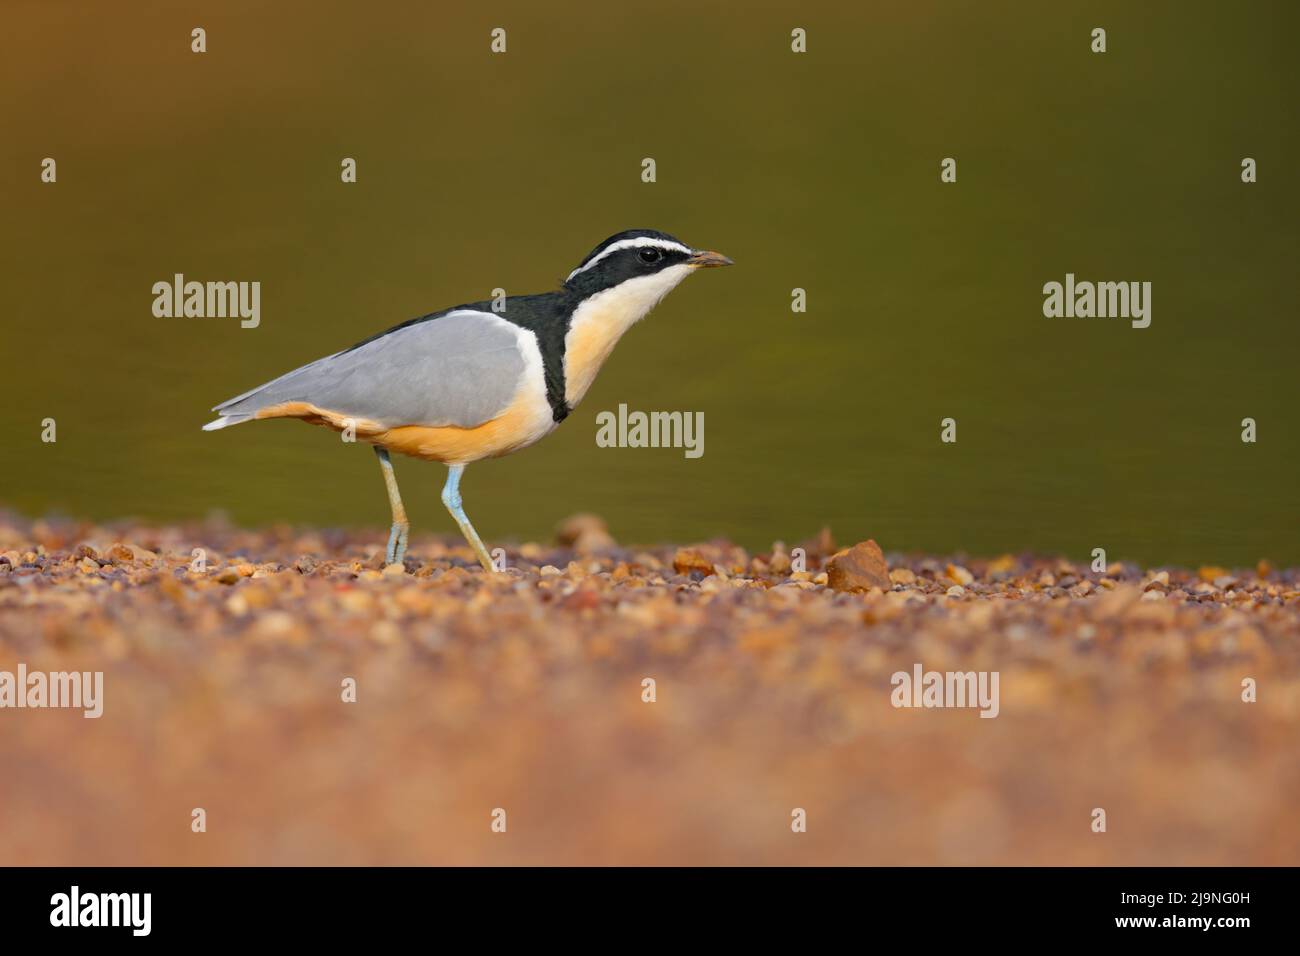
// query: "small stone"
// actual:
[[1159, 579], [687, 560], [858, 568], [142, 553], [956, 591], [121, 554], [585, 533], [902, 576], [394, 570], [955, 572]]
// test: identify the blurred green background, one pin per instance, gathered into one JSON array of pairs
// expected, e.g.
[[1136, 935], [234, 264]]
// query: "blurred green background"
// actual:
[[818, 170]]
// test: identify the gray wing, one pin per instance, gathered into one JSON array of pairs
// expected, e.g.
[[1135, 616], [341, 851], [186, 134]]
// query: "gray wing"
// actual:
[[462, 368]]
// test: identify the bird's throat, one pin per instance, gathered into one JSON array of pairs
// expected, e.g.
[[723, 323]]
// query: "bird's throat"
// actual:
[[600, 321]]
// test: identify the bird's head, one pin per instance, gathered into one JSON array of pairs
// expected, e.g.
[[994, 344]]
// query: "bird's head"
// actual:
[[644, 261]]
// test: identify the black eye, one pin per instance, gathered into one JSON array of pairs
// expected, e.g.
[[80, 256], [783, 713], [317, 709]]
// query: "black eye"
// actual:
[[651, 255]]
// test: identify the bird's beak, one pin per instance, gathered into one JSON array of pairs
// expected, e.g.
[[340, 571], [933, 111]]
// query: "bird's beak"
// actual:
[[707, 260]]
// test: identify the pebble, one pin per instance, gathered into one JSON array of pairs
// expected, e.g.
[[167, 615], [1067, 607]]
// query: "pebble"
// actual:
[[955, 572], [687, 560], [585, 533], [858, 568]]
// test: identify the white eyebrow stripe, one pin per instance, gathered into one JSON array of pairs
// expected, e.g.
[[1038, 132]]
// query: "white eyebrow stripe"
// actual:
[[634, 243]]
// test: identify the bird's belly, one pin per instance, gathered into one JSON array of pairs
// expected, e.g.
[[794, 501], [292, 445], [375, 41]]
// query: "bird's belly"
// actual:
[[519, 426], [527, 419]]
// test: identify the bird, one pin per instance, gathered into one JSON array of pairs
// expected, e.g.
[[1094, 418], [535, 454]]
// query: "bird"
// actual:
[[478, 380]]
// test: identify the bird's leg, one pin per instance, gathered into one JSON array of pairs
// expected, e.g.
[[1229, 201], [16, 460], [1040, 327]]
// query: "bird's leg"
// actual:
[[401, 527], [451, 498]]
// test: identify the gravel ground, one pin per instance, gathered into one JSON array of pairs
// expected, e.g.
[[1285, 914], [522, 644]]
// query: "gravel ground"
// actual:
[[523, 690]]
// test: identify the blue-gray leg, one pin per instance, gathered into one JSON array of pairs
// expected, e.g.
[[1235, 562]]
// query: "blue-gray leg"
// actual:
[[401, 527], [451, 498]]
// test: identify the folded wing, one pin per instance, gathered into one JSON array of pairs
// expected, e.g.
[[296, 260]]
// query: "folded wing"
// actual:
[[461, 368]]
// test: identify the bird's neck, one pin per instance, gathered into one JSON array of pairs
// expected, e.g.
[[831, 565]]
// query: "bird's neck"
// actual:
[[600, 320]]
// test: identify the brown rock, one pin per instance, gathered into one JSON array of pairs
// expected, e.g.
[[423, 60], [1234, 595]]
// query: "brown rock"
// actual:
[[1157, 579], [858, 568], [585, 533], [958, 574], [121, 553], [141, 553], [687, 560]]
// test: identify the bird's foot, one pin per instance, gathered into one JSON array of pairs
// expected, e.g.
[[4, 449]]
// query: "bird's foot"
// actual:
[[397, 543]]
